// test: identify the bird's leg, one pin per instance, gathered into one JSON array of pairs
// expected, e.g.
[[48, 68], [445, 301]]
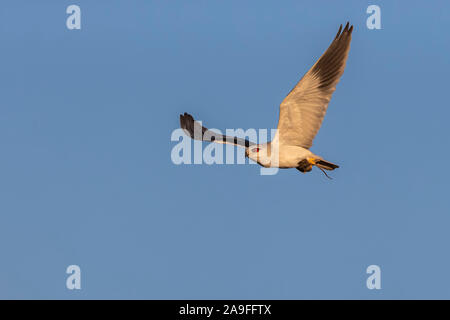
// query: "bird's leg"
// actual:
[[312, 161], [304, 166]]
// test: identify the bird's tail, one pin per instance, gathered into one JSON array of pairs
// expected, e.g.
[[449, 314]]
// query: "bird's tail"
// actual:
[[323, 164], [307, 164]]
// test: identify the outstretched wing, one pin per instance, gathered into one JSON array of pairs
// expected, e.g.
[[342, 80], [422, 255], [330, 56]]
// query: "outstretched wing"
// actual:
[[196, 131], [302, 111]]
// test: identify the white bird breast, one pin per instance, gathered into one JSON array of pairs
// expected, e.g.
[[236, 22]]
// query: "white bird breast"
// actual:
[[280, 157]]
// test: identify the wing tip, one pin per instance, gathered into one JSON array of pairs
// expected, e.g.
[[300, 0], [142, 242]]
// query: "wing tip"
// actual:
[[339, 32], [348, 29], [187, 123], [346, 26]]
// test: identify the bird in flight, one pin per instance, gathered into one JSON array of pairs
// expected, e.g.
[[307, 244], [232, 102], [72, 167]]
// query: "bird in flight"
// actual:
[[301, 115]]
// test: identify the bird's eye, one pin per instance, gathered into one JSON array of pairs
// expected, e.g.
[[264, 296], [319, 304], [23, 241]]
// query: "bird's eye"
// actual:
[[255, 150]]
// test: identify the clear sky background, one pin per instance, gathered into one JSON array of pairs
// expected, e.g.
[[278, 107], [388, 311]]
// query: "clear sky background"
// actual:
[[86, 176]]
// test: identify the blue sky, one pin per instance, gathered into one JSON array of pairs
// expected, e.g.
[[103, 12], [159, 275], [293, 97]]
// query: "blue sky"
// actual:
[[86, 176]]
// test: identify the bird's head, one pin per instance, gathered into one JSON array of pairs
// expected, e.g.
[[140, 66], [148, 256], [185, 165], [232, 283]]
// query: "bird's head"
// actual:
[[259, 153]]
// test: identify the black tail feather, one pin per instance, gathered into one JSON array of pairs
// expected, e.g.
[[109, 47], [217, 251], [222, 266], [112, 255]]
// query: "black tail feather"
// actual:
[[326, 165]]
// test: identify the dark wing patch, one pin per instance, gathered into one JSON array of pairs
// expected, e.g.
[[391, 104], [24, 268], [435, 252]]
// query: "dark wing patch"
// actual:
[[331, 63], [196, 131]]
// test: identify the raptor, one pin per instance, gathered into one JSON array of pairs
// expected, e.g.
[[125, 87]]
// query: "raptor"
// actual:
[[301, 115]]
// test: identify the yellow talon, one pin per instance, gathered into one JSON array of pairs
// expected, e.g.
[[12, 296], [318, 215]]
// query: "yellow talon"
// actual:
[[312, 160]]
